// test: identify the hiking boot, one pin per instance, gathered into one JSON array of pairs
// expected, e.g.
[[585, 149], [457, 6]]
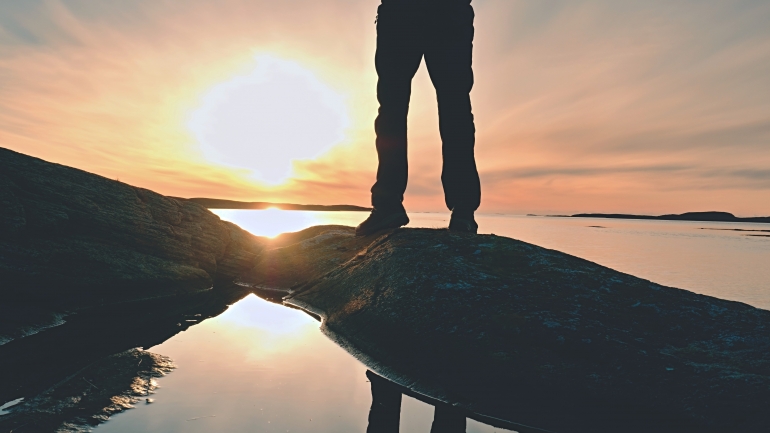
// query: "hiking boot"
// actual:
[[381, 220], [463, 222]]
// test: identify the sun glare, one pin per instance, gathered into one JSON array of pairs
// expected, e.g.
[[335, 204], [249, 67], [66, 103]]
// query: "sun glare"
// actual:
[[269, 222], [263, 121]]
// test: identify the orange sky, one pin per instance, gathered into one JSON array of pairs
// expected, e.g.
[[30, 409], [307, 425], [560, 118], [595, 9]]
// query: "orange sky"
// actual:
[[602, 106]]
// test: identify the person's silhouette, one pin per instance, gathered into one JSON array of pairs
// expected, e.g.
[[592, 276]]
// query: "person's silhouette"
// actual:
[[385, 412], [442, 32]]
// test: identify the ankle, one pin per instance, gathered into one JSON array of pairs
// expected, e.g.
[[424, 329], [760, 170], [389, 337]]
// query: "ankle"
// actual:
[[397, 208], [462, 213]]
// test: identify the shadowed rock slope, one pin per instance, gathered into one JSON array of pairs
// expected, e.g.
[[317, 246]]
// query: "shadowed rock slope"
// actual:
[[72, 238], [529, 336]]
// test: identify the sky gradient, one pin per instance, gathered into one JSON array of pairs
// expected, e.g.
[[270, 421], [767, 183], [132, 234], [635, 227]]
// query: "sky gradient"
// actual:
[[581, 106]]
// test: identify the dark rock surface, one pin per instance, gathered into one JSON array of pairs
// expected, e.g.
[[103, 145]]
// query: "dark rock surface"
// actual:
[[71, 238], [523, 334], [91, 395]]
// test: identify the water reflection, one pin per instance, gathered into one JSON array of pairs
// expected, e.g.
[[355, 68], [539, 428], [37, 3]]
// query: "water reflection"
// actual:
[[385, 412], [242, 366], [240, 372], [72, 373], [270, 222]]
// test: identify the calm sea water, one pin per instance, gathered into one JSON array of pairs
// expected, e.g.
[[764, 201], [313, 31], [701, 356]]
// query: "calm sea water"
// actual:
[[260, 367]]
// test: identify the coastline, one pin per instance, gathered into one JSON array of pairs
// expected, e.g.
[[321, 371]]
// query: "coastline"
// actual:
[[216, 203], [687, 216]]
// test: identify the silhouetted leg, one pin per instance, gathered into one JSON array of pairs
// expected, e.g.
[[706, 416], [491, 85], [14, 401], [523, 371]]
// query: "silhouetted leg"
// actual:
[[398, 56], [448, 56], [385, 413], [447, 419]]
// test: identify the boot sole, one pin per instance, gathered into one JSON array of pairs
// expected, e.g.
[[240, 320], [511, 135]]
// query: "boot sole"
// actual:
[[392, 222], [463, 226]]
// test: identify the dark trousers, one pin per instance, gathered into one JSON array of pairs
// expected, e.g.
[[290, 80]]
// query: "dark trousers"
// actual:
[[442, 32]]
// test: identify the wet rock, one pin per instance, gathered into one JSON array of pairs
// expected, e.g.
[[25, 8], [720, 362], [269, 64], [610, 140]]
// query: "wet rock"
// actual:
[[72, 238], [529, 336], [89, 396], [35, 363]]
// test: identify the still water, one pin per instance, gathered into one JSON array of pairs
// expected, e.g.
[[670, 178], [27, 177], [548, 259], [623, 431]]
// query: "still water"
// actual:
[[260, 367]]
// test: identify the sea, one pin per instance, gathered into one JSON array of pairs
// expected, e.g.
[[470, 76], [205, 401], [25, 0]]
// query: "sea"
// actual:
[[261, 367]]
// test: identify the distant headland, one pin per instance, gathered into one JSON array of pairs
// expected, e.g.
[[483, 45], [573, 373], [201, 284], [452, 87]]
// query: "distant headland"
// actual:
[[215, 203], [712, 216]]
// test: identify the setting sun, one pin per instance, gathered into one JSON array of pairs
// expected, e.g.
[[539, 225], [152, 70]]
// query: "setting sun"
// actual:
[[347, 216], [279, 113], [578, 107]]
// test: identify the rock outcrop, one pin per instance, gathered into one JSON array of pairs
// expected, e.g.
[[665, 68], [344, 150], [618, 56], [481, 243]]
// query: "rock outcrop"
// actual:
[[72, 238], [519, 335], [513, 334]]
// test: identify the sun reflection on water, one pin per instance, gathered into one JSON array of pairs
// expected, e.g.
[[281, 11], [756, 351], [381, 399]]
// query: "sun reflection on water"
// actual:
[[253, 313]]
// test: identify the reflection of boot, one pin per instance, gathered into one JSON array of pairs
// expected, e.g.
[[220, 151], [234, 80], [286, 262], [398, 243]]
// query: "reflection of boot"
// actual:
[[447, 419], [385, 413]]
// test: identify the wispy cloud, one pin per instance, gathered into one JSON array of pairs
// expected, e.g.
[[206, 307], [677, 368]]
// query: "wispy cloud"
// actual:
[[594, 105]]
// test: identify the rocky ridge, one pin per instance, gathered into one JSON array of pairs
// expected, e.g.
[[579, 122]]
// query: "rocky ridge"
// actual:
[[529, 338], [72, 238], [516, 335]]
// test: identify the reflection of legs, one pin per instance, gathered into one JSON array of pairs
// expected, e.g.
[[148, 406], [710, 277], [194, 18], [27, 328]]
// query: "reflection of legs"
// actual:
[[398, 56], [447, 419], [448, 58], [385, 413]]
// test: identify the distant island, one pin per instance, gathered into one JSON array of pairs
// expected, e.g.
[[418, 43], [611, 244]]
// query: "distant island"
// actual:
[[215, 203], [712, 216]]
